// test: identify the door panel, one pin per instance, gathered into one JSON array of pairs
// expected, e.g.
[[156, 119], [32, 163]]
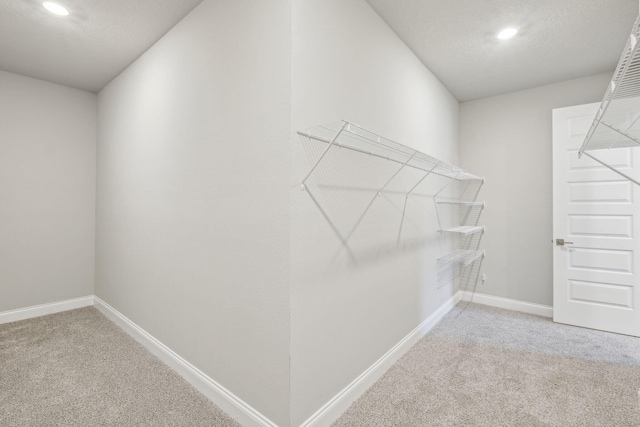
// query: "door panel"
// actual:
[[601, 226], [603, 260], [597, 213], [599, 192], [601, 293]]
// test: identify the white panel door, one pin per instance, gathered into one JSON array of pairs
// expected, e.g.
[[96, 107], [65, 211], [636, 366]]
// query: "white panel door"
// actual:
[[597, 213]]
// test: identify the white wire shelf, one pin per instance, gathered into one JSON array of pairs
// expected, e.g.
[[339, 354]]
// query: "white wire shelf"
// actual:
[[462, 256], [460, 203], [617, 122], [347, 135], [465, 230]]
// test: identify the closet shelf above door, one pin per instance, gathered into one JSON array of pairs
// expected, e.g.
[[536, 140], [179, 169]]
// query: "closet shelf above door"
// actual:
[[344, 134], [617, 122]]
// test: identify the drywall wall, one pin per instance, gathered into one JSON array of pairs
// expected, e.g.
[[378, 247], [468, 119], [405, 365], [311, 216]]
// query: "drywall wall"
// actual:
[[347, 311], [47, 192], [507, 139], [193, 201]]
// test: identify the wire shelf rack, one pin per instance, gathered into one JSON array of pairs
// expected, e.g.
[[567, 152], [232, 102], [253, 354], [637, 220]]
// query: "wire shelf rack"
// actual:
[[617, 122], [462, 212], [464, 229], [461, 265], [460, 203], [462, 257], [398, 174], [347, 135]]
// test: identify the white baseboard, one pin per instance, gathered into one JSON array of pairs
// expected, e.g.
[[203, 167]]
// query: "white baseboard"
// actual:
[[236, 407], [45, 309], [223, 398], [332, 410], [506, 303]]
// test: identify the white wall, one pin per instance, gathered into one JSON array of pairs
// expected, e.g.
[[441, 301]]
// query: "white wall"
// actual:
[[47, 192], [193, 202], [345, 313], [507, 138]]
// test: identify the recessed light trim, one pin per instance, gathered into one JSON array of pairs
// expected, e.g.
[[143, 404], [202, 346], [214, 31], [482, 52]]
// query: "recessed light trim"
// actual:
[[507, 33], [55, 8]]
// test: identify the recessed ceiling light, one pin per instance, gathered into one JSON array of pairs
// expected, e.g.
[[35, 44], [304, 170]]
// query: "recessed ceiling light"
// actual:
[[55, 8], [507, 33]]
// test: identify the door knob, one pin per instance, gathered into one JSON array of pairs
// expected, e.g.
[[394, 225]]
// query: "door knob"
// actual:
[[561, 242]]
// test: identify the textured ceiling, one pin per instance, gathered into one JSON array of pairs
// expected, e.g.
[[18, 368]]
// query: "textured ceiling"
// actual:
[[455, 39], [88, 48], [558, 40]]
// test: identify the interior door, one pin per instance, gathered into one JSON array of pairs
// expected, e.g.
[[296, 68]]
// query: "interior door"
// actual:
[[596, 212]]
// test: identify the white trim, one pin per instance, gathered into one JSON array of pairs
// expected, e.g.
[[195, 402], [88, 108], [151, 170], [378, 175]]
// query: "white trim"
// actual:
[[223, 398], [45, 309], [332, 410], [507, 303], [236, 407]]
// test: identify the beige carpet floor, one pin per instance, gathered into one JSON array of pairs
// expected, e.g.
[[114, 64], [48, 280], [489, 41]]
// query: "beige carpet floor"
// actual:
[[484, 366], [480, 366], [79, 369]]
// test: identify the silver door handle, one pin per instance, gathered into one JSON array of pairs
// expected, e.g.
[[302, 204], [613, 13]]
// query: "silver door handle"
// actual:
[[561, 242]]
